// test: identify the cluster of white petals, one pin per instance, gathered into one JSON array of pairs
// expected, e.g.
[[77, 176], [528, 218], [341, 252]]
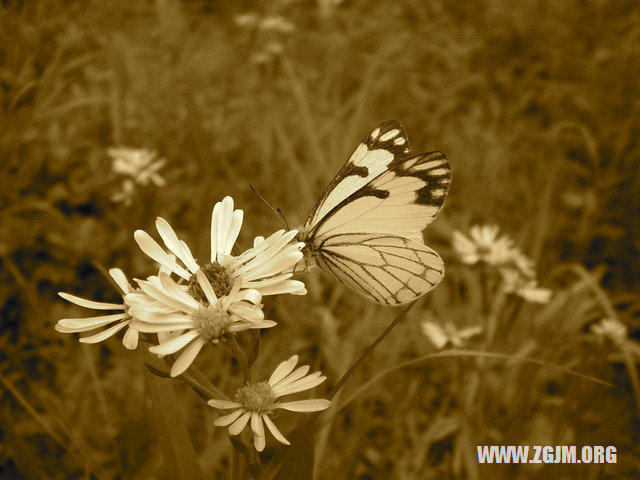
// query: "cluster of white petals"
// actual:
[[485, 245], [611, 329], [189, 323], [267, 267], [448, 334], [254, 403], [118, 321], [482, 245], [136, 167], [189, 305]]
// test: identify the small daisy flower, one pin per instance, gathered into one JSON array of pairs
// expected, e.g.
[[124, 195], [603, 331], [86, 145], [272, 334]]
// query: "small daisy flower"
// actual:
[[137, 167], [256, 402], [611, 329], [246, 20], [513, 281], [267, 267], [193, 323], [120, 320], [277, 24], [484, 245], [441, 336], [141, 165]]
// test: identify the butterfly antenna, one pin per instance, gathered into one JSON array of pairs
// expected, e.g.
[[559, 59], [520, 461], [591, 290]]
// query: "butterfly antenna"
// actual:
[[277, 211]]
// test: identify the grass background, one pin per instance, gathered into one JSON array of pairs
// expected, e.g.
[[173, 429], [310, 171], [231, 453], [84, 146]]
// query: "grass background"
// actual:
[[536, 103]]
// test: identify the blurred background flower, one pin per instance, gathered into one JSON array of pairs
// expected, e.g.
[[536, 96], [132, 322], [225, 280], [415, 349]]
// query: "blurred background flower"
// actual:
[[138, 167]]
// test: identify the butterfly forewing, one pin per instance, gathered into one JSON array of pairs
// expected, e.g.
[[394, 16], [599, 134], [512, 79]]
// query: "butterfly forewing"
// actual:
[[402, 200], [386, 143], [387, 269]]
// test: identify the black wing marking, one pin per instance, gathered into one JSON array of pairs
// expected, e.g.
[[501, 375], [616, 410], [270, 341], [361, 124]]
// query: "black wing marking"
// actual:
[[401, 200], [385, 144]]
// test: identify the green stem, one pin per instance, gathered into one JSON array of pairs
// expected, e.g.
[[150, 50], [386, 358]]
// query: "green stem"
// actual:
[[370, 348], [235, 464], [237, 352]]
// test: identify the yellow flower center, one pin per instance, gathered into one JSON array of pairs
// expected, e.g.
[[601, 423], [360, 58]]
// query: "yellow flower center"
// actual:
[[257, 397], [219, 278], [214, 323]]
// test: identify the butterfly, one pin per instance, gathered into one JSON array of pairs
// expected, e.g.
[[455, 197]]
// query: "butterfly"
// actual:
[[366, 227]]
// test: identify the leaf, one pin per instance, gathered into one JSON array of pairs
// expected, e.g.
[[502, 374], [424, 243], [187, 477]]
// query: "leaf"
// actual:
[[180, 460], [295, 461]]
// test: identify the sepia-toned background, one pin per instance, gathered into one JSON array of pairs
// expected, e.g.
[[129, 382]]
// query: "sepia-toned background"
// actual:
[[537, 105]]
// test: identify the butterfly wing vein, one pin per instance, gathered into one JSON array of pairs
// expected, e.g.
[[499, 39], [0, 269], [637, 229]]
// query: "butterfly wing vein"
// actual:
[[388, 269]]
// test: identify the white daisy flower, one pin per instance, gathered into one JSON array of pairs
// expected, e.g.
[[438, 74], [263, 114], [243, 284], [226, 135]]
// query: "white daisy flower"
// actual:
[[256, 402], [139, 164], [193, 323], [276, 23], [267, 267], [246, 20], [484, 245], [120, 320], [513, 281], [612, 329], [137, 167], [441, 336]]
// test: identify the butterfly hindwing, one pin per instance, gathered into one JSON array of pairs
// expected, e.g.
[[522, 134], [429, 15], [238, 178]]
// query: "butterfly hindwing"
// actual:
[[385, 144], [387, 269]]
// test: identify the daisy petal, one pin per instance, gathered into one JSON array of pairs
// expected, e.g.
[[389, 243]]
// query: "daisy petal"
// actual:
[[174, 244], [104, 334], [284, 369], [187, 357], [176, 344], [314, 405], [257, 427], [121, 279], [240, 423], [222, 404], [214, 231], [151, 248], [224, 223], [274, 431], [85, 324], [89, 303], [234, 230], [229, 419], [130, 339]]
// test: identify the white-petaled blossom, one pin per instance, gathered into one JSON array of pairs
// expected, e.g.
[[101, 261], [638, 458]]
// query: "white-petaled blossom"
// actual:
[[137, 166], [163, 307], [483, 245], [119, 320], [246, 20], [514, 282], [267, 267], [255, 402], [612, 329], [140, 164], [441, 336], [277, 23], [516, 269]]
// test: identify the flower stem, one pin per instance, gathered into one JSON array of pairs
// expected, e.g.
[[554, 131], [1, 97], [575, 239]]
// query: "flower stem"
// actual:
[[370, 349], [237, 352], [235, 464]]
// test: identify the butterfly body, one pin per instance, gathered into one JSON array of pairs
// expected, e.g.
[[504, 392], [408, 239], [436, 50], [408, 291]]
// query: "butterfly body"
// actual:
[[366, 227]]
